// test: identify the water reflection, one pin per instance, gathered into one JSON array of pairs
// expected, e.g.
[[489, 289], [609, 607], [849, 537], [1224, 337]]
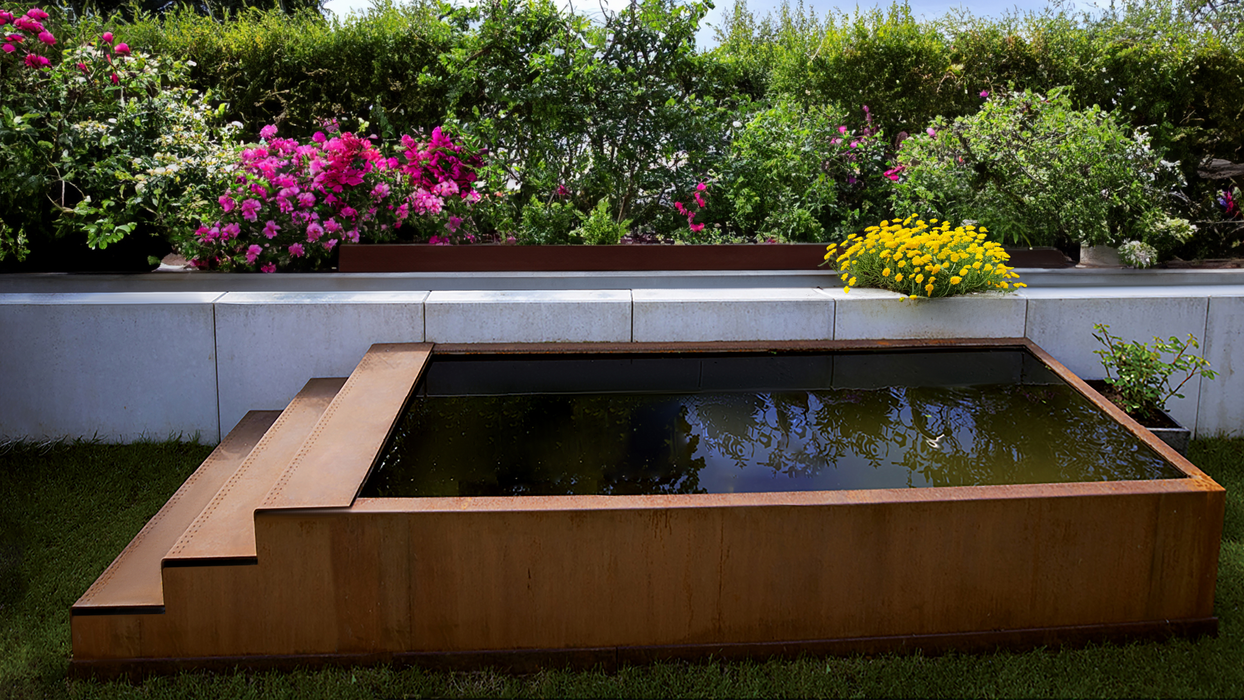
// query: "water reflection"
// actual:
[[750, 441]]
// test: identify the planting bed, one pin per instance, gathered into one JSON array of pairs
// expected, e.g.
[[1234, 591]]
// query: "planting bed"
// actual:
[[267, 555]]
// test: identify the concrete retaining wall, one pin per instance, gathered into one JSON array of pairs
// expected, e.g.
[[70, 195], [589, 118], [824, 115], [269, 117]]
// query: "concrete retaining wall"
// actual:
[[124, 365]]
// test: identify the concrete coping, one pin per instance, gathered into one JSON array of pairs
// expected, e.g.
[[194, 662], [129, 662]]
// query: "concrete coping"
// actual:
[[20, 283]]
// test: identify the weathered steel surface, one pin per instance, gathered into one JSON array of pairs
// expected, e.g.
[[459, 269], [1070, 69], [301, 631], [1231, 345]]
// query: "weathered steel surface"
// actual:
[[331, 465], [132, 581], [584, 258], [225, 530], [567, 258], [726, 346], [578, 576], [428, 575]]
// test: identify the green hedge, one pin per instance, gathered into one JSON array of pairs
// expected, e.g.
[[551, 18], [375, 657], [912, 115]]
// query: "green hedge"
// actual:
[[292, 70]]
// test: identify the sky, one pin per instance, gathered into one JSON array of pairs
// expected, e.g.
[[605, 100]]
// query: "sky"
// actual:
[[920, 9]]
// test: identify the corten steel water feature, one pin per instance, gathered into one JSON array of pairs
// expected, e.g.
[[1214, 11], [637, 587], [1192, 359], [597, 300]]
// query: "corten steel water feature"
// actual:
[[267, 557]]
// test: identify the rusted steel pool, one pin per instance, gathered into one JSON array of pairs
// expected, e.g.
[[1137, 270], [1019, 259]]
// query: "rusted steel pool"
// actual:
[[267, 556]]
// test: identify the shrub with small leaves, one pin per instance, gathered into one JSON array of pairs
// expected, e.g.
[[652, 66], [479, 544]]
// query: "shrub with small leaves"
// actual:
[[547, 223], [1139, 375], [1037, 171], [104, 143], [803, 174]]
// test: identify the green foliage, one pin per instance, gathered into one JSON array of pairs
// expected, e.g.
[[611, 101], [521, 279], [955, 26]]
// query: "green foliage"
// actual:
[[886, 60], [599, 227], [624, 107], [1140, 375], [801, 174], [616, 109], [293, 70], [97, 159], [127, 10], [773, 180], [547, 223], [1173, 68], [1038, 171]]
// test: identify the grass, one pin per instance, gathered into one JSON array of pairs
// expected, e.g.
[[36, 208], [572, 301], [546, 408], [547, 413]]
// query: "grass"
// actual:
[[68, 509]]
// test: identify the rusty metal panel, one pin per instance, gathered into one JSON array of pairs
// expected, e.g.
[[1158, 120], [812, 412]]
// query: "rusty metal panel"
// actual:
[[225, 530], [132, 581], [391, 257], [331, 465]]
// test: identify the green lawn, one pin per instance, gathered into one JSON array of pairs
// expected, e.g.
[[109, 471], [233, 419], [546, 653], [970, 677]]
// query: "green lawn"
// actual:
[[69, 509]]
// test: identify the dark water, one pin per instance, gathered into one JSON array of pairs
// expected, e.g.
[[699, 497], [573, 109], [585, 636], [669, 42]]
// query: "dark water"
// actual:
[[506, 425]]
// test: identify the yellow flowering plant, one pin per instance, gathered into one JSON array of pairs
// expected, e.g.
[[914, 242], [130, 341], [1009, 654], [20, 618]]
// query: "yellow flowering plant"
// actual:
[[924, 259]]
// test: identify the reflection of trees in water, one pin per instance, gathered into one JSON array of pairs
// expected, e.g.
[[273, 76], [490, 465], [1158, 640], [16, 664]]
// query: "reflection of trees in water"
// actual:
[[796, 433], [1016, 434], [633, 444], [540, 445], [946, 435]]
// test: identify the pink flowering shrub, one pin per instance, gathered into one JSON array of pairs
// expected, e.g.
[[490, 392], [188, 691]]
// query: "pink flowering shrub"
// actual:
[[291, 204], [22, 36], [700, 203]]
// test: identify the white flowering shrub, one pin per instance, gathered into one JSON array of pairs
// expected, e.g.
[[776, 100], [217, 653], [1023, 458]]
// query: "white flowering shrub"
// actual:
[[108, 142], [1138, 254]]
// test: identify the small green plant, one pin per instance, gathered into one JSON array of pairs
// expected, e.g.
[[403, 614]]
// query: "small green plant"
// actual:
[[599, 226], [546, 223], [1139, 375]]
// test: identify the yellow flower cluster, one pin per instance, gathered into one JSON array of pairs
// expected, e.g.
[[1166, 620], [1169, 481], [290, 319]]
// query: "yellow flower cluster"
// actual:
[[924, 259]]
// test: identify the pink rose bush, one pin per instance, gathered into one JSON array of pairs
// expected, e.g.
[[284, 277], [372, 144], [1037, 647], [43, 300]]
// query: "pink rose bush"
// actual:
[[21, 36], [291, 204]]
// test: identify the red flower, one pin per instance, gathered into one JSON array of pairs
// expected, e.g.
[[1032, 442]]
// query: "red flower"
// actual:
[[27, 25]]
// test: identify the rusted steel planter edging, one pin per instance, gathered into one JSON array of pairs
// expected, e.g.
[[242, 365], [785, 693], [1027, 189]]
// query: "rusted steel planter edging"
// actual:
[[387, 257]]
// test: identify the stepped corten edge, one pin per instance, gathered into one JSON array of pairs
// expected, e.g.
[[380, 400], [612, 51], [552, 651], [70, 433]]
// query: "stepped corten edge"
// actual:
[[266, 557]]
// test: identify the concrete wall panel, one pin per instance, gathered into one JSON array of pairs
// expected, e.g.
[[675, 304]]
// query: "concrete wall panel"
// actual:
[[1221, 408], [116, 366], [1061, 321], [546, 316], [271, 343], [703, 315], [128, 364], [872, 314]]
